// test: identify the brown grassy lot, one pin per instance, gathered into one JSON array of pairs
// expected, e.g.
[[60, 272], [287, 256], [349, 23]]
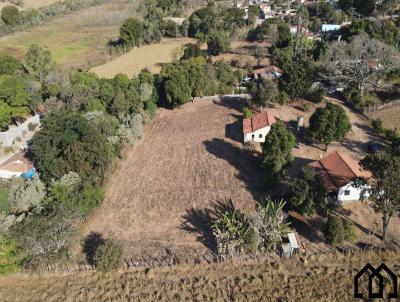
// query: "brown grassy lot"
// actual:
[[147, 56], [319, 278], [389, 116], [189, 158], [79, 39]]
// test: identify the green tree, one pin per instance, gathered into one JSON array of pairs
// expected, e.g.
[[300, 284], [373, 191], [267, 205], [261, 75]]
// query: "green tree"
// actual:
[[265, 93], [329, 124], [5, 115], [68, 142], [297, 77], [192, 50], [12, 256], [334, 230], [27, 196], [10, 15], [346, 5], [232, 230], [10, 65], [39, 61], [365, 7], [132, 32], [306, 194], [218, 43], [108, 256], [270, 226], [277, 149], [383, 192], [46, 237], [13, 93], [176, 84]]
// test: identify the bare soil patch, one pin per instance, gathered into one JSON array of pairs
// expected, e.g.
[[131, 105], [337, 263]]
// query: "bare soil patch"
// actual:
[[189, 159]]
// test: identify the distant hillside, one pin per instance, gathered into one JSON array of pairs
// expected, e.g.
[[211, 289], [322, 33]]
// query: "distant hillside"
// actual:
[[322, 278]]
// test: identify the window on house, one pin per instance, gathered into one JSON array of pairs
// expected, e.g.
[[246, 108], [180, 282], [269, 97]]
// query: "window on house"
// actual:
[[252, 136], [346, 192], [260, 135]]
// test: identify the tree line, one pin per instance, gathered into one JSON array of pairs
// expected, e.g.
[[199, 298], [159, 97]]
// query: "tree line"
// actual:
[[87, 122]]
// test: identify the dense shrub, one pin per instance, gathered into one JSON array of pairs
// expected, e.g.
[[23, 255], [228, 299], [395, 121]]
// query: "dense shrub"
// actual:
[[10, 15], [108, 256], [12, 256], [334, 231], [67, 142], [218, 43]]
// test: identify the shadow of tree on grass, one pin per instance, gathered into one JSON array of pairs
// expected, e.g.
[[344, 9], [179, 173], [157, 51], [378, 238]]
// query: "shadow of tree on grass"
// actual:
[[199, 222]]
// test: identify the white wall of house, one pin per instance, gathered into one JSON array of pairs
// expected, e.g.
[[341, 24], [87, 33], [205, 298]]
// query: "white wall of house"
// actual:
[[5, 174], [349, 193], [257, 136]]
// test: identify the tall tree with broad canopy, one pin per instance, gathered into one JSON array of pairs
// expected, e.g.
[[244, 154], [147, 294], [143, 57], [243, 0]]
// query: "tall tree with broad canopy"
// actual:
[[132, 32], [265, 92], [68, 142], [277, 149], [39, 61], [329, 124], [383, 190]]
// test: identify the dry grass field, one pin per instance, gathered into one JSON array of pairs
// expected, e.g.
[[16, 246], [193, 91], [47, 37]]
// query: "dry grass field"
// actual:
[[316, 278], [31, 3], [189, 158], [79, 39], [389, 116], [192, 158], [149, 56]]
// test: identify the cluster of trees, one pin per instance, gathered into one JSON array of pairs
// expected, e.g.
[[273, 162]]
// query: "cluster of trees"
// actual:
[[20, 84], [88, 120], [192, 77], [13, 19], [262, 231], [386, 31]]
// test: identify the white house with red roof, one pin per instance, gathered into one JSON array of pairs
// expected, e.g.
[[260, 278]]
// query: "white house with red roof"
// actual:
[[257, 127], [270, 72], [337, 172]]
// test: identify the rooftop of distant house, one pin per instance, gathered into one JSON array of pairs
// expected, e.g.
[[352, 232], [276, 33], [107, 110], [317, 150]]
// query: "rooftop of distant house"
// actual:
[[258, 121], [337, 170], [267, 69], [18, 163]]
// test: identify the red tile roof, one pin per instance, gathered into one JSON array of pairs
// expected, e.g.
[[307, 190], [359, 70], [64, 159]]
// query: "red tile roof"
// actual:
[[17, 163], [267, 69], [337, 169], [258, 121]]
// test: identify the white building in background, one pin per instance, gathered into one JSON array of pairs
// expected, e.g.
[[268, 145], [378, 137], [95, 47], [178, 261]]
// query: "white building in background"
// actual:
[[337, 172], [256, 128]]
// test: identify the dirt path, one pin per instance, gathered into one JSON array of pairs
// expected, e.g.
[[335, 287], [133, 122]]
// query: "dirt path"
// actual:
[[188, 159]]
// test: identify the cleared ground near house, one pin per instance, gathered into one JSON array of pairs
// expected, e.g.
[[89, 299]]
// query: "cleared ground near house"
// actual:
[[79, 39], [319, 278], [189, 159], [390, 117], [147, 56]]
